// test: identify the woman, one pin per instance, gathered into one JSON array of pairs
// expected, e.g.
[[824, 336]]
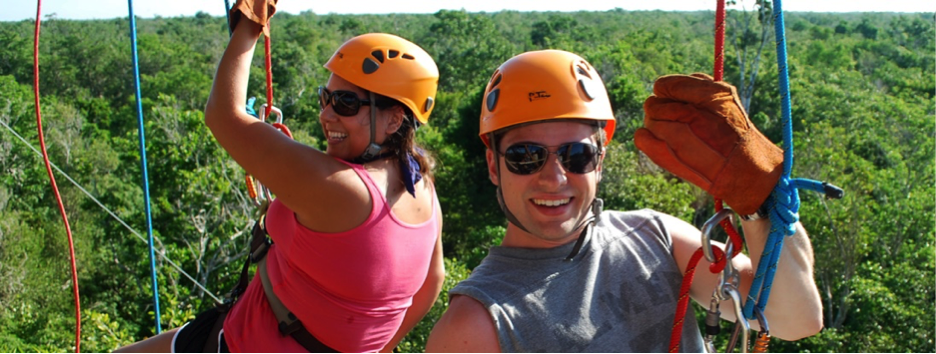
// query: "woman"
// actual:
[[356, 253]]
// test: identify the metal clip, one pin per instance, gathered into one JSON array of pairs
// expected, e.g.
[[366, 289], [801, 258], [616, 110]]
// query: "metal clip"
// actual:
[[273, 110], [259, 193], [707, 231], [729, 275], [742, 327], [763, 336]]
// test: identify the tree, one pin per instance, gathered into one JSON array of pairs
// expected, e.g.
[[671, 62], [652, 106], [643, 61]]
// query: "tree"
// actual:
[[749, 34], [863, 88], [867, 30]]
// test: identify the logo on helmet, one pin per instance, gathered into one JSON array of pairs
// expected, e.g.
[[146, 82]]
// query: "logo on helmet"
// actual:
[[538, 95]]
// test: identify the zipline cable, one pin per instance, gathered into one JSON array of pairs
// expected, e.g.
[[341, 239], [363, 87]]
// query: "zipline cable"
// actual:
[[112, 214], [146, 195], [48, 165]]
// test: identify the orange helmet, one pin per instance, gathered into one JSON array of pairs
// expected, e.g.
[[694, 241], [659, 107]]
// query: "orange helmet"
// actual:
[[543, 85], [391, 66]]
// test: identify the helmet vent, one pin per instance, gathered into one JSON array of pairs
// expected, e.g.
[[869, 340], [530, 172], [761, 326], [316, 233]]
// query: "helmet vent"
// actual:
[[407, 56], [492, 99], [583, 69], [584, 88], [369, 66], [379, 55], [495, 92], [429, 103], [585, 78], [393, 53]]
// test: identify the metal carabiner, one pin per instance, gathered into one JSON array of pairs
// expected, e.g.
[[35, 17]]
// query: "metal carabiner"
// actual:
[[707, 231], [278, 124], [728, 277], [742, 326], [763, 336], [265, 192], [273, 110], [252, 189], [257, 191]]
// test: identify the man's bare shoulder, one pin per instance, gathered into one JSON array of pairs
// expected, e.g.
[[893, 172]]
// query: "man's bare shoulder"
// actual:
[[466, 327]]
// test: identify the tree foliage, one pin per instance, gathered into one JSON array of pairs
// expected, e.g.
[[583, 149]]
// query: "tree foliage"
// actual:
[[862, 86]]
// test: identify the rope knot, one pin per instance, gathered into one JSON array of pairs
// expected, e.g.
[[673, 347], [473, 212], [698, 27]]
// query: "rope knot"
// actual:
[[784, 205]]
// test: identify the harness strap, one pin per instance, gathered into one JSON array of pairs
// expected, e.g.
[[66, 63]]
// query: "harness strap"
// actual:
[[259, 245], [288, 323]]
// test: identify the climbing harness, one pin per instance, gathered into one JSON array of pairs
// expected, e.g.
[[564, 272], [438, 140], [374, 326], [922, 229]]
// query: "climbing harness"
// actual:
[[782, 207], [288, 323]]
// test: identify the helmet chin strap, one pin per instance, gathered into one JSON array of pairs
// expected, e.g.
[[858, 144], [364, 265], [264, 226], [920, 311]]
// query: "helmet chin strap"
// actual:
[[372, 152]]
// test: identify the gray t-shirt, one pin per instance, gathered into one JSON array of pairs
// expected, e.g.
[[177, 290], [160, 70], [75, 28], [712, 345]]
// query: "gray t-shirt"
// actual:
[[619, 294]]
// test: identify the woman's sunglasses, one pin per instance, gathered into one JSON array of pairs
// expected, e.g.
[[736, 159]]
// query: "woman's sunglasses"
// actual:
[[344, 103], [529, 158]]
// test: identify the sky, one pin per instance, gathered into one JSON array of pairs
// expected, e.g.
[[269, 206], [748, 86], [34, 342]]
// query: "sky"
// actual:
[[16, 10]]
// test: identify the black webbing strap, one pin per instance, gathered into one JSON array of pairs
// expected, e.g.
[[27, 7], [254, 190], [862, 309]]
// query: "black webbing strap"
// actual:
[[260, 243], [288, 323]]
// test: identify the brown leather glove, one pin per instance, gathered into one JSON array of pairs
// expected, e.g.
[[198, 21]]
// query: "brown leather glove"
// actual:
[[697, 129], [258, 11]]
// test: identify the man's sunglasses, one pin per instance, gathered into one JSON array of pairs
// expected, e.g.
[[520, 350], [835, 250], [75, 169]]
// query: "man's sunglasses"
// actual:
[[344, 103], [529, 158]]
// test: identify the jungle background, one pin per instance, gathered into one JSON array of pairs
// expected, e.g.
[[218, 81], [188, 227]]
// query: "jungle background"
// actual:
[[862, 85]]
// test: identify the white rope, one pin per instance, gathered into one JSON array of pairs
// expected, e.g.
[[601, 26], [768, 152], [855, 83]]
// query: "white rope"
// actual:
[[138, 235]]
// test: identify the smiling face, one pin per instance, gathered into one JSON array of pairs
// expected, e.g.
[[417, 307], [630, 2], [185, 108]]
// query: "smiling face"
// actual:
[[348, 137], [551, 202]]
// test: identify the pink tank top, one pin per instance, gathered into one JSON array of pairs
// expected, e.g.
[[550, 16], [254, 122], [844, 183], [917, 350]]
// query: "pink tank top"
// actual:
[[350, 289]]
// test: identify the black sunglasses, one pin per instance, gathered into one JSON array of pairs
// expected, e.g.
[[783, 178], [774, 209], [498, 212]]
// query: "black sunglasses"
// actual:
[[529, 158], [345, 103]]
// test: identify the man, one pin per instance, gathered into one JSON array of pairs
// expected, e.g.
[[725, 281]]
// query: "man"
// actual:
[[569, 277]]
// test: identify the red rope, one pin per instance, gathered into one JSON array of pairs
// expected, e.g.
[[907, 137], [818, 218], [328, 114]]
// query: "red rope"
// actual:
[[734, 237], [282, 127], [251, 187], [269, 74], [48, 165], [683, 302], [719, 41]]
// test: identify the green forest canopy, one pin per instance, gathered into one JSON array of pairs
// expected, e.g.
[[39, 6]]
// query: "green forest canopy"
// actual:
[[862, 86]]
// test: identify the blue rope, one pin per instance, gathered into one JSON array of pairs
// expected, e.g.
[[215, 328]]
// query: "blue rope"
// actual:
[[146, 196], [227, 15], [784, 202]]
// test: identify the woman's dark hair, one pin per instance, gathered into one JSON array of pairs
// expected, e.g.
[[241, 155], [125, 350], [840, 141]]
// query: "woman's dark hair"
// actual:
[[403, 141]]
